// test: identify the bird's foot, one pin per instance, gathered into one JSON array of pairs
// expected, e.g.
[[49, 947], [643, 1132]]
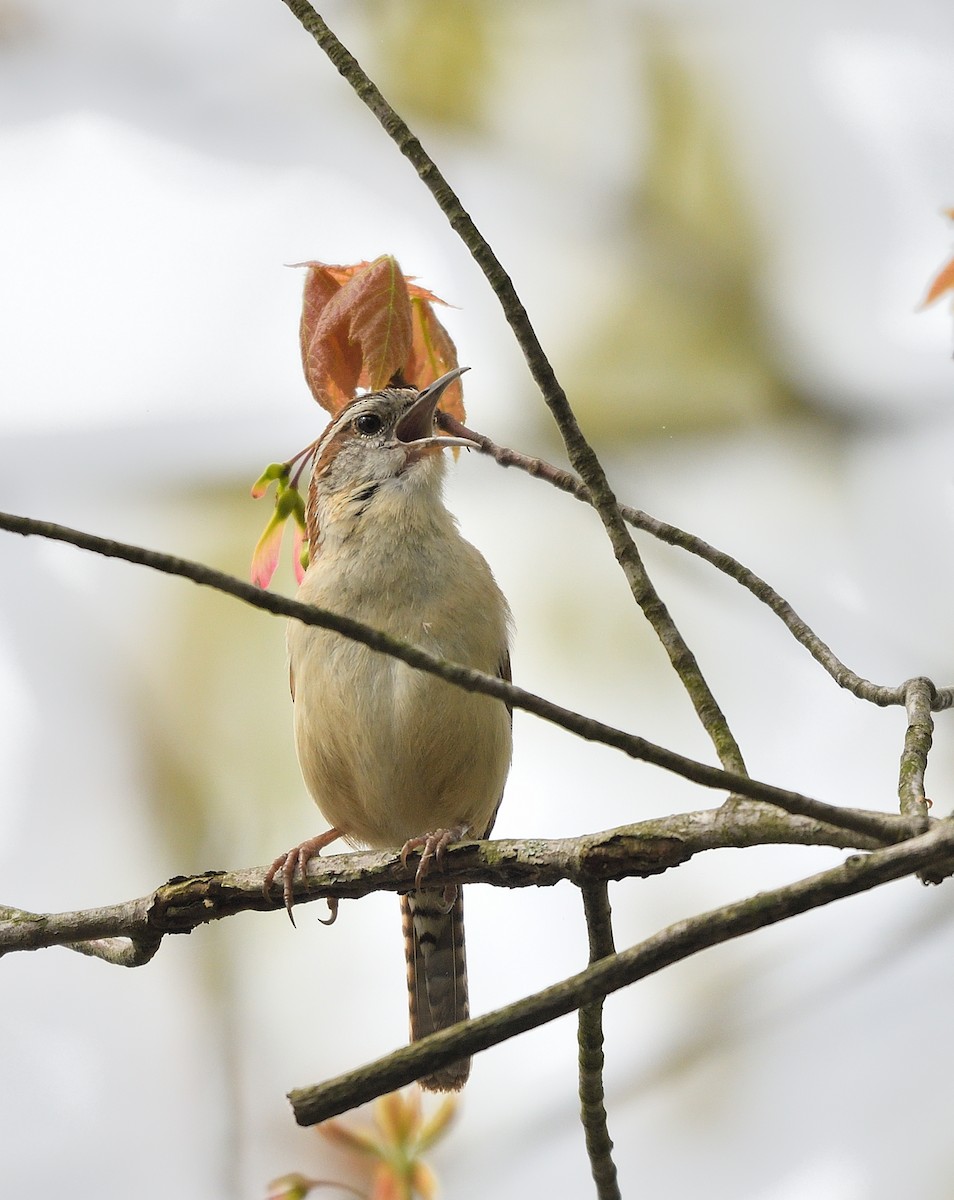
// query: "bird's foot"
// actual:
[[432, 847], [298, 859]]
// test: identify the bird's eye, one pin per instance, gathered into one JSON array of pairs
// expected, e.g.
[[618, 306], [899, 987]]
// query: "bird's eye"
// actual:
[[368, 424]]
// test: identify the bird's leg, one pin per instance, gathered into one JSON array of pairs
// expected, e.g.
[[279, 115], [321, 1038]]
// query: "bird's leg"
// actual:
[[298, 859]]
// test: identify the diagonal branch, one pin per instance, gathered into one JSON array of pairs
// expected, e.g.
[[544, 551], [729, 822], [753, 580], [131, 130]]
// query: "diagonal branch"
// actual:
[[580, 452], [566, 481], [857, 874], [878, 825]]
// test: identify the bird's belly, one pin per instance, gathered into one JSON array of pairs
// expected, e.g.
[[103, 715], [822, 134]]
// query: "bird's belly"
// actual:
[[389, 753]]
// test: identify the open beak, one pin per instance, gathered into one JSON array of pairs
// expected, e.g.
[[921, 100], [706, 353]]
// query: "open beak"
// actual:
[[416, 427]]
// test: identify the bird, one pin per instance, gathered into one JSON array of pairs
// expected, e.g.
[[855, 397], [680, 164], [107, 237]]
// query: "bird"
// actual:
[[396, 758]]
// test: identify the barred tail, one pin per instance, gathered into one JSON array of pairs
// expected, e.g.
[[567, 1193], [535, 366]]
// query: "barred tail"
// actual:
[[436, 974]]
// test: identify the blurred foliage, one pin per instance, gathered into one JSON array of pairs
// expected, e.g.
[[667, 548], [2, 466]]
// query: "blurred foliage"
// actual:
[[16, 21], [385, 1155], [675, 340], [943, 282], [679, 342], [432, 59], [216, 713]]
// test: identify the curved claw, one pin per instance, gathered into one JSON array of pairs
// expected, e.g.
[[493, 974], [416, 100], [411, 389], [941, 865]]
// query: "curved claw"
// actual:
[[433, 847], [298, 859]]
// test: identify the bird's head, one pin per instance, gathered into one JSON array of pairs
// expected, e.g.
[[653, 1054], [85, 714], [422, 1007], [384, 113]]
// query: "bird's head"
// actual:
[[381, 444]]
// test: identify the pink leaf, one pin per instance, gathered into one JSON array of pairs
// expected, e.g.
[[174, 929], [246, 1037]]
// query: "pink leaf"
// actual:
[[265, 558]]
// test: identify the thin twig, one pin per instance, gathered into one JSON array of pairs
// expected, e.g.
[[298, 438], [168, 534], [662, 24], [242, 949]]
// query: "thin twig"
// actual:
[[877, 825], [579, 451], [857, 874], [880, 694], [599, 1144], [647, 848]]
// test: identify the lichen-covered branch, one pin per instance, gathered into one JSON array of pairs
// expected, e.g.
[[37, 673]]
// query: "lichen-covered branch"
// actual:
[[647, 848], [858, 873], [119, 934], [918, 737]]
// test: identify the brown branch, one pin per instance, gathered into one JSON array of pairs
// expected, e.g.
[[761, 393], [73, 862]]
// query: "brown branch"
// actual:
[[857, 874], [119, 934], [880, 694], [878, 825], [579, 451], [599, 1144], [647, 848], [918, 737]]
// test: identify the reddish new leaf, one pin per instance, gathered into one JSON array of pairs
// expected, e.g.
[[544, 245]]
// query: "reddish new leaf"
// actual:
[[365, 323], [417, 292], [380, 313], [362, 325], [345, 271], [321, 284], [433, 354], [334, 359], [331, 363]]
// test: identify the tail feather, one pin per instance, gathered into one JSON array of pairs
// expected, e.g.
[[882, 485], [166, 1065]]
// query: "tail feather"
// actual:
[[436, 974]]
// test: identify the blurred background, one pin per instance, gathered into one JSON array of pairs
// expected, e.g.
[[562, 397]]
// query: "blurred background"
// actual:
[[722, 217]]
